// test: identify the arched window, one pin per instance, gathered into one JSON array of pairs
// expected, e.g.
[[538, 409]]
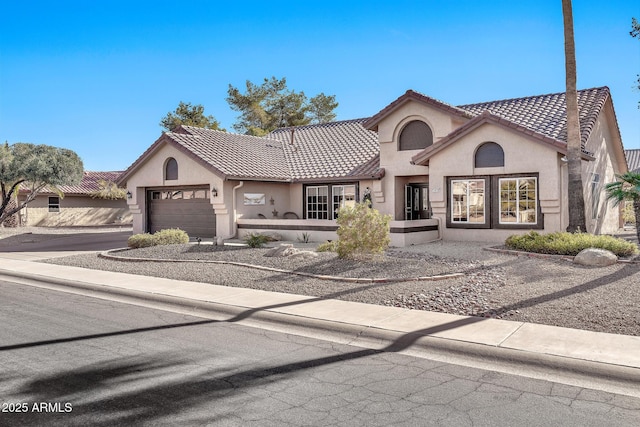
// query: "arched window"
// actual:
[[489, 155], [171, 169], [416, 135]]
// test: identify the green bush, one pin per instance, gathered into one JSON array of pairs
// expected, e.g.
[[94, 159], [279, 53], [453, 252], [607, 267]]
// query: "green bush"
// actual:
[[563, 243], [329, 246], [363, 232], [140, 241], [256, 240], [171, 236]]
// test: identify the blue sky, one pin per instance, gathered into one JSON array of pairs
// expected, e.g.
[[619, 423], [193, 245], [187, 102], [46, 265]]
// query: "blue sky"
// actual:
[[98, 76]]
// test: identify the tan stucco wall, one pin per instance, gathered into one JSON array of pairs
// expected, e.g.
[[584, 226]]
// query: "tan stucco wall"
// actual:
[[76, 211], [608, 163]]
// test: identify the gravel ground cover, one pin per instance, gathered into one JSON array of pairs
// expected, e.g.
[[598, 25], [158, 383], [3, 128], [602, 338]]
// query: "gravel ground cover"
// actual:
[[547, 291]]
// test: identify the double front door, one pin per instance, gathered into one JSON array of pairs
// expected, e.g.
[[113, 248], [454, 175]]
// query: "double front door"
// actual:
[[416, 202]]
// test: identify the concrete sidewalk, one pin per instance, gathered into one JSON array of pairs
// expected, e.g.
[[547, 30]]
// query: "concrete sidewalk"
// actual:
[[588, 359]]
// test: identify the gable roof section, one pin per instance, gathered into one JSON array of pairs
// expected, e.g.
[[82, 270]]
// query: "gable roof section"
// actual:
[[422, 158], [330, 151], [546, 114], [633, 160], [411, 95], [232, 156]]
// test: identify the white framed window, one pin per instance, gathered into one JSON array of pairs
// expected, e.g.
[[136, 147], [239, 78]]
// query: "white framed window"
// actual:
[[317, 201], [468, 201], [518, 200], [343, 195], [54, 204]]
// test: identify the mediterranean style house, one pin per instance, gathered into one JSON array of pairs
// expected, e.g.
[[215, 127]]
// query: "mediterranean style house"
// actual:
[[477, 172]]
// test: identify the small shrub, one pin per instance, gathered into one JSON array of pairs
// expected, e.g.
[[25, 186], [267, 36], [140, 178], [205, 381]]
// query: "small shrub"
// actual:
[[140, 241], [305, 238], [256, 240], [363, 232], [563, 243], [329, 246], [171, 236]]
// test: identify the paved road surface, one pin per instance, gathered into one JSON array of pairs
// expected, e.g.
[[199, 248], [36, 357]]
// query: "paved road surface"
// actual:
[[65, 242], [102, 363]]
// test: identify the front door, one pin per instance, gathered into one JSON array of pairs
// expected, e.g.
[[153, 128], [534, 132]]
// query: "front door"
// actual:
[[416, 202]]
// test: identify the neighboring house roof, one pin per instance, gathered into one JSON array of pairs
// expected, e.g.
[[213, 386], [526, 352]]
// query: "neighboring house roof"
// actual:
[[330, 150], [633, 160], [89, 183]]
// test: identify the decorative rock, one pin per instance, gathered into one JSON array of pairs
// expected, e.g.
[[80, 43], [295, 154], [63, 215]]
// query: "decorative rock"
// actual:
[[287, 250], [279, 251], [594, 257], [298, 254]]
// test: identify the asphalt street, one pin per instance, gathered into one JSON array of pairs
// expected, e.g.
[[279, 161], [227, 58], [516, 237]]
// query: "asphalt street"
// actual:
[[85, 241], [68, 360]]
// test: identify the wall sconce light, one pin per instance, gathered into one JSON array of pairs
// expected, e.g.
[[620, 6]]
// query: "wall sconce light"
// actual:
[[271, 200], [214, 192], [129, 195], [564, 159]]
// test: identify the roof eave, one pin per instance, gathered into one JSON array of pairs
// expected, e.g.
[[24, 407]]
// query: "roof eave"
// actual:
[[410, 95]]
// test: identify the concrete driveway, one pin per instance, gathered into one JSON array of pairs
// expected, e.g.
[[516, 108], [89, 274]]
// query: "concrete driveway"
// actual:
[[41, 245]]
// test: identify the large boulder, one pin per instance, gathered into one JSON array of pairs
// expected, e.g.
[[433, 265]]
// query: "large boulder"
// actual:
[[594, 257]]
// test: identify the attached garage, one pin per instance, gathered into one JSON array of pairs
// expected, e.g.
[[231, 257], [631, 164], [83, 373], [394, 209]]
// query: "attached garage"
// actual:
[[188, 209]]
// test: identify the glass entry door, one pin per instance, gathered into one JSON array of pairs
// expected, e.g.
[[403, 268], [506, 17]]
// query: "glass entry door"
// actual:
[[416, 202]]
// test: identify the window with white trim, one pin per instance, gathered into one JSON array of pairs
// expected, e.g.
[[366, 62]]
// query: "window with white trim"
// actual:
[[518, 200], [343, 195], [317, 202], [468, 201]]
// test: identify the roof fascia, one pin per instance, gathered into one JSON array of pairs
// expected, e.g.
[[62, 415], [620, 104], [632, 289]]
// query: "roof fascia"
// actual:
[[486, 117], [165, 138], [410, 95]]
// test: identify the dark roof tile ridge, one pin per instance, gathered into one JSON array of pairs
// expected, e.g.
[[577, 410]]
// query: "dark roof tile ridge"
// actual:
[[522, 98], [315, 125], [218, 131]]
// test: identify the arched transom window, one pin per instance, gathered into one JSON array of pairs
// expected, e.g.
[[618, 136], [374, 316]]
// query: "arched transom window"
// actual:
[[171, 169], [416, 135], [489, 155]]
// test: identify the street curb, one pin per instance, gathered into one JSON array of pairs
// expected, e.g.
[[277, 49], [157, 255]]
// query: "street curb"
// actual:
[[109, 255], [621, 379]]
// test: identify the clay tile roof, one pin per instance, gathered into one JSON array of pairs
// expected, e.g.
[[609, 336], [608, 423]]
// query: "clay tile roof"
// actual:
[[90, 182], [330, 150], [633, 160], [235, 156], [546, 114]]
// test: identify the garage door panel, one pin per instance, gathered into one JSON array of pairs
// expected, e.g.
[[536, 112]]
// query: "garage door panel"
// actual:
[[195, 216]]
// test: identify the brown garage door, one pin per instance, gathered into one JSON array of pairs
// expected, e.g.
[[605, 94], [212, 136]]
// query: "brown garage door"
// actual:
[[187, 209]]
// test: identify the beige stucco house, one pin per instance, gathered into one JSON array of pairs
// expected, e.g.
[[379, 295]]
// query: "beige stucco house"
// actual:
[[471, 172], [77, 207]]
